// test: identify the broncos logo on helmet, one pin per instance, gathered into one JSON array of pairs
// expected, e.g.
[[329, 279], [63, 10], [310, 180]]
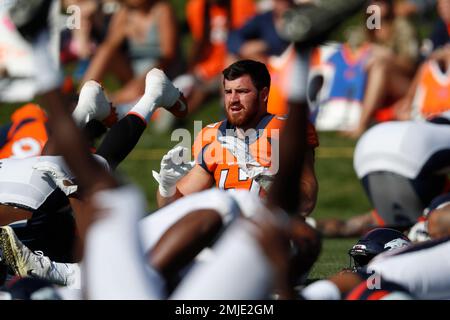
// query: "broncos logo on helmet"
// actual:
[[373, 243]]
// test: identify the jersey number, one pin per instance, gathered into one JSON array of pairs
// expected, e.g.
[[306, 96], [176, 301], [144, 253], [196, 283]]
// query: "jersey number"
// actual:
[[26, 147], [254, 187]]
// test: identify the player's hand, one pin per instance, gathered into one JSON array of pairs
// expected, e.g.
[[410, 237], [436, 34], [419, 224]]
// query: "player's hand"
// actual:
[[173, 167], [419, 232], [61, 178]]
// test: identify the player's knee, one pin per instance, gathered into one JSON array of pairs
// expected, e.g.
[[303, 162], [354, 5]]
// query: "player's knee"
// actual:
[[439, 223]]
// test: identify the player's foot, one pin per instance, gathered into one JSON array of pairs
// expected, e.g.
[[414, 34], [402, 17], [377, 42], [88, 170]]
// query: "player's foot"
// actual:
[[25, 263], [164, 93], [93, 104]]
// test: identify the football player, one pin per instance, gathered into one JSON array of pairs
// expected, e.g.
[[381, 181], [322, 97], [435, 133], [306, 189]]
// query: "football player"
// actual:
[[26, 135], [239, 152], [35, 189], [101, 280], [372, 244], [402, 167], [437, 223]]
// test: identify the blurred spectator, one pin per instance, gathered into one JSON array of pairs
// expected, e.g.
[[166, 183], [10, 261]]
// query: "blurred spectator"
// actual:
[[150, 29], [440, 34], [26, 134], [210, 22], [430, 91], [405, 8], [391, 65], [80, 43], [337, 82], [258, 38]]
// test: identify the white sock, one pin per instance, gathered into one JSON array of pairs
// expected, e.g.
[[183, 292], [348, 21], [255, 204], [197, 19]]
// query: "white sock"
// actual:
[[144, 108]]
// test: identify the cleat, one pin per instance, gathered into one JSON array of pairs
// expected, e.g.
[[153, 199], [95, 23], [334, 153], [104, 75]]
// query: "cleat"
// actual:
[[164, 93], [93, 104], [25, 263]]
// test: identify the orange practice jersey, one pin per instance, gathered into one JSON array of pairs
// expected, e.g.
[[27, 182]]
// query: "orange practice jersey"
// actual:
[[214, 59], [433, 92], [27, 135], [222, 164]]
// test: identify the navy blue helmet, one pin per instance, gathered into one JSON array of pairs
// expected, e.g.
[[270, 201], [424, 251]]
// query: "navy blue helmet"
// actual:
[[373, 243]]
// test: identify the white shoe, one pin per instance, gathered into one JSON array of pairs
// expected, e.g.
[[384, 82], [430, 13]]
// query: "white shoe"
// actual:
[[93, 104], [164, 93], [25, 263]]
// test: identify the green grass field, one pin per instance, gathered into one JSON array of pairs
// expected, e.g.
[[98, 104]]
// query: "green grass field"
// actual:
[[340, 194]]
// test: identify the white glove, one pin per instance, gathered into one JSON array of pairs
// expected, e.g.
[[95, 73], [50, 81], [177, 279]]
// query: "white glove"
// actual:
[[419, 232], [61, 178], [173, 168], [246, 162]]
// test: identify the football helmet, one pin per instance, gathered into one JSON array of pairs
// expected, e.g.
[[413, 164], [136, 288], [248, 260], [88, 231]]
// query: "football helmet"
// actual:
[[373, 243]]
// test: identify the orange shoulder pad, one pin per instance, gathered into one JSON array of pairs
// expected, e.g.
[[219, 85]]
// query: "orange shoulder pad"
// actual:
[[205, 137]]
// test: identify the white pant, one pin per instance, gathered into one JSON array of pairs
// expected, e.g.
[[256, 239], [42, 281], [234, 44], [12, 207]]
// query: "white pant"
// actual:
[[156, 224], [115, 266], [425, 273]]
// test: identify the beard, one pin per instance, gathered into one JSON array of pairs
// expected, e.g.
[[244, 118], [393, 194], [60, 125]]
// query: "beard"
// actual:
[[244, 117]]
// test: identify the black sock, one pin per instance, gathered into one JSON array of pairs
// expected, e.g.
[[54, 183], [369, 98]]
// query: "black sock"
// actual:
[[121, 139]]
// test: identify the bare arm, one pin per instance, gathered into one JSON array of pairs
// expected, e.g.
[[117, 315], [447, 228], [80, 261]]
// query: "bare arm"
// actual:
[[286, 187], [308, 184], [254, 49], [167, 28], [404, 107], [10, 214], [104, 54], [168, 34], [195, 181]]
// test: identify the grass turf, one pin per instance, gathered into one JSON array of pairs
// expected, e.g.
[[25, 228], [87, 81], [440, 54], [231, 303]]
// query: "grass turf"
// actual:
[[340, 193]]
